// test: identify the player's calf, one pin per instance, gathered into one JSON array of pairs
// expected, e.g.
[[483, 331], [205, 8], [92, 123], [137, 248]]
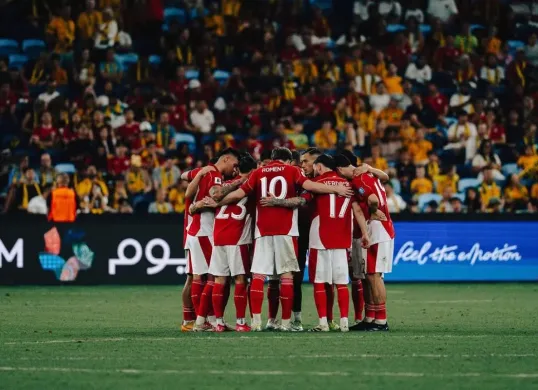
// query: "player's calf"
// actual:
[[286, 298]]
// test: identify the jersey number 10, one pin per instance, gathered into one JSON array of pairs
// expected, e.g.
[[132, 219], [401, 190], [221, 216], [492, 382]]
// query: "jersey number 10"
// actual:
[[272, 187]]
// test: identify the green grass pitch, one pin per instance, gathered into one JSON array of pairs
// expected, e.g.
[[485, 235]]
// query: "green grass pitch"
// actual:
[[442, 337]]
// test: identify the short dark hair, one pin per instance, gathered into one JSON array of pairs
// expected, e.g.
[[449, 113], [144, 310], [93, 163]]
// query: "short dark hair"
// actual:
[[283, 154], [341, 161], [247, 164], [296, 156], [266, 155], [326, 161], [313, 152], [230, 152], [350, 156]]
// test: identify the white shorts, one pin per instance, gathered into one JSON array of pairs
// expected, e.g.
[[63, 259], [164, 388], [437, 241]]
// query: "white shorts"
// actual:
[[275, 255], [379, 257], [328, 266], [230, 260], [200, 249], [358, 265]]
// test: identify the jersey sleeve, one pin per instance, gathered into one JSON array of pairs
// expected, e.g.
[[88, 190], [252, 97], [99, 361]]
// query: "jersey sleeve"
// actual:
[[250, 185], [299, 178], [308, 196]]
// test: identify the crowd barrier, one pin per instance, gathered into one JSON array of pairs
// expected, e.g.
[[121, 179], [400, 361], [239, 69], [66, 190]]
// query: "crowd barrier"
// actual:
[[147, 249]]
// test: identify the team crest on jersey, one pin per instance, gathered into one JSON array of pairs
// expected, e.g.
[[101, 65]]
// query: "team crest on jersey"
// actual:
[[361, 190], [218, 180]]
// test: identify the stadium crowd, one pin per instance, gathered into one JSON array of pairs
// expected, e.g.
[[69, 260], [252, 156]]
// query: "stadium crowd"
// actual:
[[126, 95]]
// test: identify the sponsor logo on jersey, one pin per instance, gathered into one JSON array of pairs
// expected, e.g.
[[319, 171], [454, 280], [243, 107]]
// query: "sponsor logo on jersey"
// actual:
[[361, 191]]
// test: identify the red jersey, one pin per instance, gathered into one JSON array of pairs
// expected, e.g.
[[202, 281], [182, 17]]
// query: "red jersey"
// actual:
[[202, 223], [45, 133], [438, 103], [187, 219], [118, 165], [128, 131], [282, 181], [364, 186], [233, 222], [331, 216]]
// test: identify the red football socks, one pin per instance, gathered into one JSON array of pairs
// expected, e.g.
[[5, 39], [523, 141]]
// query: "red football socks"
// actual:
[[205, 300], [273, 294], [286, 297], [240, 300], [343, 300], [330, 301], [320, 297], [381, 313], [217, 298], [357, 295], [369, 312], [196, 293], [256, 293]]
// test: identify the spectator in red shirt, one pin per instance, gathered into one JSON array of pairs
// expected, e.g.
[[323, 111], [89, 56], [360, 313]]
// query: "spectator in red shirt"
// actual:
[[8, 100], [399, 52], [178, 85], [326, 100], [130, 130], [437, 101], [119, 163], [44, 135], [497, 134], [447, 56], [253, 144]]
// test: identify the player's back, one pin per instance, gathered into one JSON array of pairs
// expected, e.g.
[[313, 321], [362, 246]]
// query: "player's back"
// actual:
[[187, 218], [331, 226], [202, 223], [366, 185], [280, 180], [233, 222]]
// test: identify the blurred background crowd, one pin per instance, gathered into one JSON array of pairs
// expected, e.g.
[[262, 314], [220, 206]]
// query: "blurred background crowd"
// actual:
[[125, 95]]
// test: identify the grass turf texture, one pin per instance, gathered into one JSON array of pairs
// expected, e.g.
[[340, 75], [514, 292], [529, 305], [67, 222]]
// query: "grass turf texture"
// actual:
[[443, 337]]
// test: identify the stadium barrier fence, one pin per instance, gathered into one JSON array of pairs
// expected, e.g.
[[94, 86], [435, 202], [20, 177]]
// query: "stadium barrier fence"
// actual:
[[147, 249]]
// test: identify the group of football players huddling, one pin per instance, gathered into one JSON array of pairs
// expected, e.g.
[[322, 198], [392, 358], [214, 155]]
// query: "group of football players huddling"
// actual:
[[253, 221]]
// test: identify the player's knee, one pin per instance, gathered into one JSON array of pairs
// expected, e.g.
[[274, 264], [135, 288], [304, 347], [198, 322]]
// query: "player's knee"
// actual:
[[286, 275], [240, 279], [196, 277], [220, 279], [371, 277]]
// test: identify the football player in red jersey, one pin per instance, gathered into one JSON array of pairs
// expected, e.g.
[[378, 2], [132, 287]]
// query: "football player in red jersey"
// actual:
[[200, 234], [370, 191], [329, 239], [276, 231], [232, 235]]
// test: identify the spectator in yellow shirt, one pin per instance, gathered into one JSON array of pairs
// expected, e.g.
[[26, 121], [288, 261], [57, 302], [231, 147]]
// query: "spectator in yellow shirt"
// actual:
[[432, 168], [58, 73], [449, 179], [326, 138], [516, 195], [529, 159], [421, 184], [407, 132], [489, 191], [176, 196], [307, 72], [231, 7], [420, 148], [215, 21], [353, 67], [393, 82], [61, 31], [89, 21], [534, 191], [392, 114], [378, 161], [85, 187]]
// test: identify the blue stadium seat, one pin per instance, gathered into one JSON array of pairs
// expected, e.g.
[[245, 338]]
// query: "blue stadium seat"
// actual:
[[509, 169], [192, 74], [155, 60], [174, 13], [330, 44], [450, 120], [195, 13], [460, 196], [127, 59], [8, 46], [221, 75], [476, 27], [425, 29], [17, 60], [65, 168], [514, 45], [33, 47], [424, 199], [394, 28], [463, 184], [188, 139], [322, 4], [207, 138]]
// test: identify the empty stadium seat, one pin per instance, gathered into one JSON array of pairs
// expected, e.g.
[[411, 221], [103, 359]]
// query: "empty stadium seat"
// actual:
[[460, 196], [509, 169], [17, 60], [174, 13], [195, 13], [33, 47], [192, 74], [425, 29], [424, 199], [188, 139], [65, 168], [396, 185], [127, 59], [463, 184], [8, 46], [155, 60], [514, 45], [221, 75], [394, 28]]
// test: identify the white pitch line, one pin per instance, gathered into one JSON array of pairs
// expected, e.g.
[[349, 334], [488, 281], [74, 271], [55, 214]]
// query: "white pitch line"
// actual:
[[445, 301], [208, 336], [132, 371], [273, 357]]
